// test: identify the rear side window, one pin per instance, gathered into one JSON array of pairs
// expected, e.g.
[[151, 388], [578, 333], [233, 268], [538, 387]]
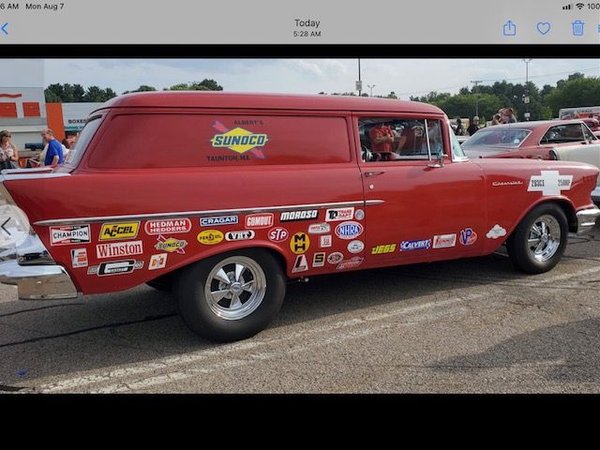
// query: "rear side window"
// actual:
[[192, 140], [561, 134]]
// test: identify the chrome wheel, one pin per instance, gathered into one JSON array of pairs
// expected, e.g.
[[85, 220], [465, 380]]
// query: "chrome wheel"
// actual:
[[544, 238], [235, 287]]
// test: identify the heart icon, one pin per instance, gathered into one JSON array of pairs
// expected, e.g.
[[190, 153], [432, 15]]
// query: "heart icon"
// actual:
[[543, 27]]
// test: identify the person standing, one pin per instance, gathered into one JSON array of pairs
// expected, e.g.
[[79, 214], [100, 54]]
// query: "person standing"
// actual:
[[54, 154], [473, 126], [459, 130], [9, 155]]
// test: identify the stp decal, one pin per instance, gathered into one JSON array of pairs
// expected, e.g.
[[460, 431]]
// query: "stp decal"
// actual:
[[550, 182], [467, 236], [278, 234], [239, 140], [76, 234], [168, 226], [348, 230], [299, 243]]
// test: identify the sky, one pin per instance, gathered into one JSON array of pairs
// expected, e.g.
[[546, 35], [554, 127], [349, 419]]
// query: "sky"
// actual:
[[405, 77]]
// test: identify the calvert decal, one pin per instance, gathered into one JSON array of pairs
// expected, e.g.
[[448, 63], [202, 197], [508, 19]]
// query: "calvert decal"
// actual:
[[239, 140], [356, 246], [467, 236], [299, 243], [210, 237], [339, 214], [292, 216], [239, 235], [119, 249], [550, 182], [171, 244], [217, 221], [383, 249], [423, 244], [257, 221], [350, 264], [325, 241], [278, 234], [301, 264], [318, 259], [496, 232], [69, 235], [335, 258], [319, 228], [119, 230], [115, 268], [348, 230], [444, 241], [168, 226], [79, 258], [158, 261]]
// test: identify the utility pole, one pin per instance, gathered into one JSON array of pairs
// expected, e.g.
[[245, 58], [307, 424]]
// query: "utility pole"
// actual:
[[476, 83], [359, 82], [371, 86], [526, 95]]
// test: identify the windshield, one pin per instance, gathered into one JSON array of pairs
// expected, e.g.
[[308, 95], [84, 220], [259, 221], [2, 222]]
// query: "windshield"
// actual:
[[83, 140], [497, 137]]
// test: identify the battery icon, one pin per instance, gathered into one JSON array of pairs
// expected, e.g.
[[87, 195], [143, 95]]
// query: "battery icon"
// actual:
[[577, 28]]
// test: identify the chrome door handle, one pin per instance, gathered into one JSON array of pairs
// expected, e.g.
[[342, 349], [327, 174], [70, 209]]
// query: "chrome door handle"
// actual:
[[374, 174]]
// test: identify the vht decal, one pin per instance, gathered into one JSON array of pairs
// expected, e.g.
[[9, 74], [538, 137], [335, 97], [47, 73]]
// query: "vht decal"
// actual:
[[239, 235], [115, 268], [121, 230], [69, 235], [299, 243], [289, 216]]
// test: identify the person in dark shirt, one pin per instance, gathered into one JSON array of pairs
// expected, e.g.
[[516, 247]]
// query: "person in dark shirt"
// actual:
[[473, 126], [54, 155]]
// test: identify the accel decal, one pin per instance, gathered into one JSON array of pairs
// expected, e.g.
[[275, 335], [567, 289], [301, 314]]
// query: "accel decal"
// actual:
[[119, 230]]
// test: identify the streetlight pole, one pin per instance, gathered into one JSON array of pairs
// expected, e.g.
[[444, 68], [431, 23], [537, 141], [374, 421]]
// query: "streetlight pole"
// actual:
[[359, 82], [476, 83], [526, 97], [371, 86]]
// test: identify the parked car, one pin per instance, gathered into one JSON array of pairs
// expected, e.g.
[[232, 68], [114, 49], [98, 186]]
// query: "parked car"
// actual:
[[593, 124], [222, 198], [569, 140]]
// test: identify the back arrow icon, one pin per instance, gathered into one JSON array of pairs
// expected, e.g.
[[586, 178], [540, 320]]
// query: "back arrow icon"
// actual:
[[3, 28], [2, 226]]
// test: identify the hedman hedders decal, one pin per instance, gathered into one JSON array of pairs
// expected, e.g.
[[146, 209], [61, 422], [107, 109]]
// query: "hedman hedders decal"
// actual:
[[289, 216], [69, 235], [168, 226], [115, 268], [219, 220]]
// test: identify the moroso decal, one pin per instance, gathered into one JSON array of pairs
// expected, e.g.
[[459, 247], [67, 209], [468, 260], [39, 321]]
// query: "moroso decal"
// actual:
[[168, 226], [383, 249], [289, 216], [239, 140], [240, 235], [120, 230], [278, 234], [444, 241], [114, 249], [171, 244], [550, 182], [69, 235], [335, 258], [339, 214], [217, 221], [467, 236], [115, 268], [210, 237], [319, 228], [158, 261], [348, 230], [422, 244], [79, 258], [299, 243], [318, 259], [301, 264], [256, 221]]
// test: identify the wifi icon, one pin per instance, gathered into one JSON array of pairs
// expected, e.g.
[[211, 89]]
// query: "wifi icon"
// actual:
[[579, 5]]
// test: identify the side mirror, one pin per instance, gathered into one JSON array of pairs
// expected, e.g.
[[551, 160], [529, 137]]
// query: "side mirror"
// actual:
[[440, 162]]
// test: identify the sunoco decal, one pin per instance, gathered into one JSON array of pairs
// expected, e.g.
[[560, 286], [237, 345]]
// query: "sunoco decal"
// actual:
[[278, 234], [318, 259], [210, 237], [158, 261], [239, 140], [79, 258], [383, 249], [319, 228], [257, 221], [115, 268], [240, 235], [339, 214], [120, 230], [550, 182], [467, 236], [301, 264], [217, 221], [348, 230], [290, 216], [119, 249], [171, 244], [444, 241], [423, 244], [168, 226], [299, 243], [69, 235]]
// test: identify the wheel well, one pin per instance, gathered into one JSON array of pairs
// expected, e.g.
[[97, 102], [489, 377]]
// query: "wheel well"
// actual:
[[570, 213]]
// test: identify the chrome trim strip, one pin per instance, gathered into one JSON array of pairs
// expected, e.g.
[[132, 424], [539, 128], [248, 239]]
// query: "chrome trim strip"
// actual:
[[586, 220], [28, 176], [208, 213]]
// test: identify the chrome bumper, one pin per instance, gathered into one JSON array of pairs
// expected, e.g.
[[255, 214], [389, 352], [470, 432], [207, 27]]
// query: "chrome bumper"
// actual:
[[38, 282], [596, 195], [586, 220]]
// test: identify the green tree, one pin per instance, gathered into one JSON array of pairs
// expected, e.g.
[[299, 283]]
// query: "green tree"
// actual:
[[78, 93], [204, 85], [94, 94], [54, 93], [142, 88], [576, 91]]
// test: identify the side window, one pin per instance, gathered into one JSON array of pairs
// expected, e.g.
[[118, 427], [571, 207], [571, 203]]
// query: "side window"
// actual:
[[563, 134], [400, 139], [587, 134]]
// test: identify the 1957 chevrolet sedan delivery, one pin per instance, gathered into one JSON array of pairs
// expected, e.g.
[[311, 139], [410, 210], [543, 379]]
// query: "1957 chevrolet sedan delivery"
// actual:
[[222, 198]]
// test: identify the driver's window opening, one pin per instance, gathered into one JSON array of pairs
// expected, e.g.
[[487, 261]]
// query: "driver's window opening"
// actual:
[[400, 139]]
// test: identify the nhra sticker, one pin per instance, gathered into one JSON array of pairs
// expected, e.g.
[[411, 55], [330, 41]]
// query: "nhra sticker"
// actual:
[[319, 228], [318, 259], [239, 140], [348, 230], [339, 214], [290, 216], [121, 230], [444, 241], [76, 234], [350, 264], [278, 234], [335, 258], [210, 237], [256, 221], [383, 249], [407, 246], [301, 264], [168, 226], [496, 232], [170, 244], [79, 258], [356, 246], [158, 261], [550, 182], [240, 235], [325, 241], [115, 268], [468, 236], [119, 249], [217, 221], [299, 243]]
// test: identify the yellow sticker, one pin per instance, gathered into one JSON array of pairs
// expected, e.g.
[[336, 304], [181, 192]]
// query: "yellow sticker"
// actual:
[[299, 243], [120, 230], [239, 140], [210, 237], [382, 249]]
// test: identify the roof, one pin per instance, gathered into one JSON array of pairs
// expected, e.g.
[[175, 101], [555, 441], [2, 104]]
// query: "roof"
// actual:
[[533, 124], [212, 99]]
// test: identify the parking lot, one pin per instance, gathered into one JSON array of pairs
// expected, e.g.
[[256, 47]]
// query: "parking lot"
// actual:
[[470, 326]]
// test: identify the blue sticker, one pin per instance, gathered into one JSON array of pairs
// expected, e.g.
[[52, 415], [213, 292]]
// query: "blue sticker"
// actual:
[[423, 244]]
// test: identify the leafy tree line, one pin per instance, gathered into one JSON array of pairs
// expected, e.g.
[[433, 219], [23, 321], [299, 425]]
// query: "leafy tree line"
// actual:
[[76, 93]]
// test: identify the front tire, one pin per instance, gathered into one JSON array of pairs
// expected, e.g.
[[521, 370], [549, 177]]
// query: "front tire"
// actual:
[[231, 296], [539, 241]]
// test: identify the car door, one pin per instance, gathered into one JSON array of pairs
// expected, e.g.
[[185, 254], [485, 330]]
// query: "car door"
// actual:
[[422, 208], [588, 151]]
